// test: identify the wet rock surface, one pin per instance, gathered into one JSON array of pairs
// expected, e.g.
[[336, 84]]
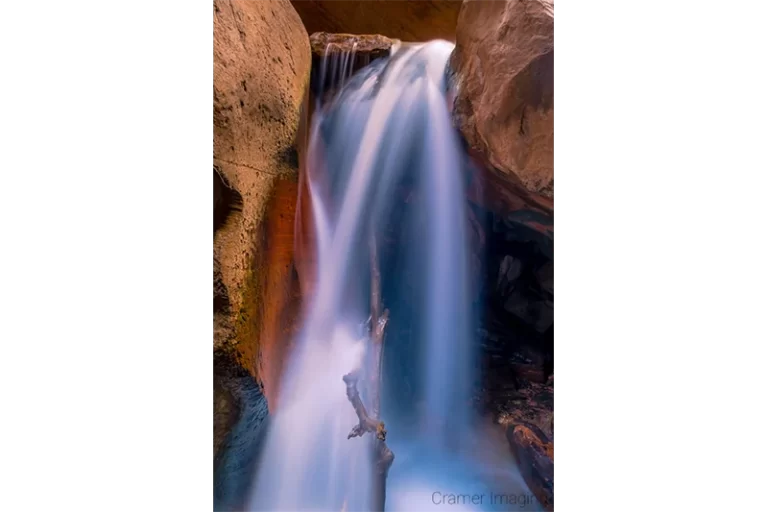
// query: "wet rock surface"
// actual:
[[535, 457], [518, 389], [237, 461], [515, 245]]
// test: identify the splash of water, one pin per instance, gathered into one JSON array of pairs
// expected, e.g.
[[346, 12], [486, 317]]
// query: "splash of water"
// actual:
[[389, 125]]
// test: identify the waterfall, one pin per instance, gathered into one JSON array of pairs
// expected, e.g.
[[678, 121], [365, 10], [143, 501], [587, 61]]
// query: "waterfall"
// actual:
[[387, 130]]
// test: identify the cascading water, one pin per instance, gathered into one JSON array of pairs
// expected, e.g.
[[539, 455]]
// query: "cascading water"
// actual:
[[387, 129]]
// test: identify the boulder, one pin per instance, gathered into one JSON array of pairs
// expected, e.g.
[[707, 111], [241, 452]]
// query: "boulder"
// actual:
[[535, 456], [503, 72], [261, 72], [407, 20]]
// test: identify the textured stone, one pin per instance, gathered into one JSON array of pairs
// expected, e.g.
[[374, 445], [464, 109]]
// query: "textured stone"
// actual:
[[503, 71], [535, 456], [326, 43], [261, 71]]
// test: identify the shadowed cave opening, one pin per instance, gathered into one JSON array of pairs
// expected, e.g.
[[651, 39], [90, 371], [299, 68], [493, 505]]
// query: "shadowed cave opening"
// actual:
[[226, 200]]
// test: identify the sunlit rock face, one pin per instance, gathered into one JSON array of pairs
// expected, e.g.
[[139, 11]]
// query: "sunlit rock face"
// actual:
[[504, 72], [407, 20], [261, 70]]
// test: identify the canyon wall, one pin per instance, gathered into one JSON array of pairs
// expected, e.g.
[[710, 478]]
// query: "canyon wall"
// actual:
[[261, 71], [502, 68], [407, 20]]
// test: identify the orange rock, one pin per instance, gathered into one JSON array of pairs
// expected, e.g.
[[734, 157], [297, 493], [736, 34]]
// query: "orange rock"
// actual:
[[261, 71], [535, 456]]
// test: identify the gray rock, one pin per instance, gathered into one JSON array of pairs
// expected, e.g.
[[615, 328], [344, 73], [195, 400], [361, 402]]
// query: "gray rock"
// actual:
[[546, 278], [509, 270]]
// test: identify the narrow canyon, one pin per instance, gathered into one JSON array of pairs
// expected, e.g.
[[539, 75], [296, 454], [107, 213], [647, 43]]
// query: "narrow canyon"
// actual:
[[383, 165]]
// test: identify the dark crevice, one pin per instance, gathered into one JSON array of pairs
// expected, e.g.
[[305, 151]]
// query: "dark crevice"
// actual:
[[225, 200], [220, 295], [290, 156], [236, 463], [522, 122]]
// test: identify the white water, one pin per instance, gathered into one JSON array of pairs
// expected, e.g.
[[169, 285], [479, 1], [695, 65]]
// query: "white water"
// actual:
[[389, 123]]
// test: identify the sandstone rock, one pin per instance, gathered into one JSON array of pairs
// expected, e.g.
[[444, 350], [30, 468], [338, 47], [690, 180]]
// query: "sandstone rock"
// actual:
[[503, 70], [407, 20], [518, 389], [326, 43], [535, 456], [261, 70]]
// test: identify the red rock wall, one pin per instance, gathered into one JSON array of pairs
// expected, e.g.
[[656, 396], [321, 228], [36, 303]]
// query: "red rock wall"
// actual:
[[407, 20]]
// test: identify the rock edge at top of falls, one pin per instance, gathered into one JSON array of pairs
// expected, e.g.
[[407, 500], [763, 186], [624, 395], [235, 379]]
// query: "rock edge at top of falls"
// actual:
[[325, 44]]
